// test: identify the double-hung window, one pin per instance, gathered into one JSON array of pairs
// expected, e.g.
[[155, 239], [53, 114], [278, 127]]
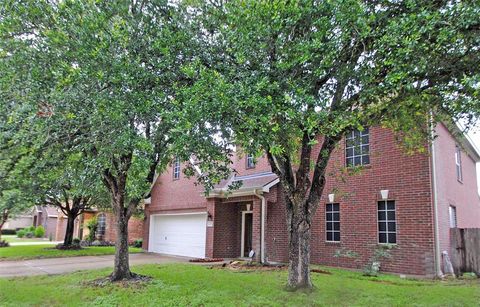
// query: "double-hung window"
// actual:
[[332, 221], [176, 168], [250, 163], [357, 151], [387, 222], [453, 216]]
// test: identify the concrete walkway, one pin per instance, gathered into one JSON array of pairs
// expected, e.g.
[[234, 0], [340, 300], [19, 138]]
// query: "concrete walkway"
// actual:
[[35, 243], [72, 264]]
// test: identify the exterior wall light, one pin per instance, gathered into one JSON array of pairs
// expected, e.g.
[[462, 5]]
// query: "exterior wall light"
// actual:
[[384, 194]]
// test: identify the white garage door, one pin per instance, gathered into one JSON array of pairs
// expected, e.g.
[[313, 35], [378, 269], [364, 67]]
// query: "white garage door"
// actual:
[[182, 234]]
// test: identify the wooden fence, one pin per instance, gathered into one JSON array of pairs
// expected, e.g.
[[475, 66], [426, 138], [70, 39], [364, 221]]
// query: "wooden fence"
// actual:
[[465, 250]]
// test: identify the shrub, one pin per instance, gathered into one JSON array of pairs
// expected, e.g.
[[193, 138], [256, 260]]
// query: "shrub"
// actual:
[[30, 229], [4, 243], [92, 226], [39, 232], [382, 252], [21, 233], [8, 232], [138, 243], [50, 237], [29, 234], [76, 241]]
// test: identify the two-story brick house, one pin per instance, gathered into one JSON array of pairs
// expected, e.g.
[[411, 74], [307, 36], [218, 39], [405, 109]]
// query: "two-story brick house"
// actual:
[[410, 201]]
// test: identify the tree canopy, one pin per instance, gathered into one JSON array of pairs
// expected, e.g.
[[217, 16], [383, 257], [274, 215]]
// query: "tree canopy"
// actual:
[[287, 77]]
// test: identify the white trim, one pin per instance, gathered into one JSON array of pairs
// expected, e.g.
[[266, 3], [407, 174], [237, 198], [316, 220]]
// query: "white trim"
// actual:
[[436, 233], [199, 171], [183, 213], [242, 239], [266, 188]]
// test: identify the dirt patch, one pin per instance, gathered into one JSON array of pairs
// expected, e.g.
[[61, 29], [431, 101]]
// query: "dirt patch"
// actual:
[[320, 271], [137, 281], [205, 260], [247, 266]]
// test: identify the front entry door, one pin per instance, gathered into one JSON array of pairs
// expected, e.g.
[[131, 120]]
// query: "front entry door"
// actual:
[[247, 233]]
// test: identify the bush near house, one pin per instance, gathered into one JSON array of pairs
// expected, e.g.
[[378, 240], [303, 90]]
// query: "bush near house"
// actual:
[[21, 233], [39, 232]]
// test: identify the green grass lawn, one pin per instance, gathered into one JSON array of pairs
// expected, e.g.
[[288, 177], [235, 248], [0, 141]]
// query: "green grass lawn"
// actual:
[[47, 251], [193, 285], [15, 239]]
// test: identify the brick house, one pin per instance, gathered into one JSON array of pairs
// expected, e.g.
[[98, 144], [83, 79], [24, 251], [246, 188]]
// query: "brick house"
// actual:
[[106, 226], [409, 200]]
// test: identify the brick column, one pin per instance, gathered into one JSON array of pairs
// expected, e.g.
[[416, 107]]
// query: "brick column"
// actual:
[[146, 229], [210, 229], [257, 226]]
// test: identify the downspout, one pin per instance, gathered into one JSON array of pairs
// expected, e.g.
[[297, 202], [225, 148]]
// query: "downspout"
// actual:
[[438, 266], [262, 234]]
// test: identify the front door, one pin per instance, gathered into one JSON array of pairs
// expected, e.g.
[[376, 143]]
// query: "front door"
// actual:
[[247, 233]]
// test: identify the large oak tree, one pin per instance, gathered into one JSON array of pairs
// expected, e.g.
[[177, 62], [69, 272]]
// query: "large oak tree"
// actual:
[[290, 76], [101, 80]]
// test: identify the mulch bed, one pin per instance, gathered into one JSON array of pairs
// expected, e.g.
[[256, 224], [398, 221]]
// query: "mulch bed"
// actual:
[[205, 260], [246, 266], [320, 271], [68, 247]]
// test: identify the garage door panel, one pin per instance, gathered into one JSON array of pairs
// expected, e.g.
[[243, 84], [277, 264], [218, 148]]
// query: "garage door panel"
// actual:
[[182, 235]]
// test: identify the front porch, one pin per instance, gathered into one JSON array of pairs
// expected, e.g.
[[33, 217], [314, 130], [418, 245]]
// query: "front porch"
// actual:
[[234, 227]]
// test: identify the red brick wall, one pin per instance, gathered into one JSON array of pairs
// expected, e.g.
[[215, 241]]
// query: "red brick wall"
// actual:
[[408, 180], [463, 195], [227, 230], [407, 177], [135, 228]]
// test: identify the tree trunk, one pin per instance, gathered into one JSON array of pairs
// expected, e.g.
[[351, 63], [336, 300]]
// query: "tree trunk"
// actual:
[[299, 234], [3, 221], [67, 241], [1, 226], [122, 266]]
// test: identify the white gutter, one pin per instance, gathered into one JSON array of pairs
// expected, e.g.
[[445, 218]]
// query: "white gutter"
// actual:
[[262, 235], [438, 257]]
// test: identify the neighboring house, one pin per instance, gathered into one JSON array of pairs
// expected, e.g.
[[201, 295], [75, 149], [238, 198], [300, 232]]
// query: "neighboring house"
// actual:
[[106, 226], [47, 217], [19, 222], [410, 201]]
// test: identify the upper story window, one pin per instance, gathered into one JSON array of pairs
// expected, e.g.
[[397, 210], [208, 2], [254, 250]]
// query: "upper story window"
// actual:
[[250, 163], [452, 211], [357, 151], [332, 221], [458, 163], [387, 222], [176, 168]]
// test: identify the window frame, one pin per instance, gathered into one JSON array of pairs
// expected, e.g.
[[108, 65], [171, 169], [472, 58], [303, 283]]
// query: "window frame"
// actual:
[[351, 136], [458, 163], [386, 221], [176, 168], [333, 221], [249, 157], [453, 209]]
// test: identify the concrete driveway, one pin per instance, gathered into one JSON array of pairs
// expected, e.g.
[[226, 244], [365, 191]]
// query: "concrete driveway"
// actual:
[[72, 264]]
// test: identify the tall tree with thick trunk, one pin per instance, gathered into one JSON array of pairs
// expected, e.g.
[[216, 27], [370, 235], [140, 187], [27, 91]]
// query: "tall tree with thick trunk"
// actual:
[[290, 78], [102, 81]]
